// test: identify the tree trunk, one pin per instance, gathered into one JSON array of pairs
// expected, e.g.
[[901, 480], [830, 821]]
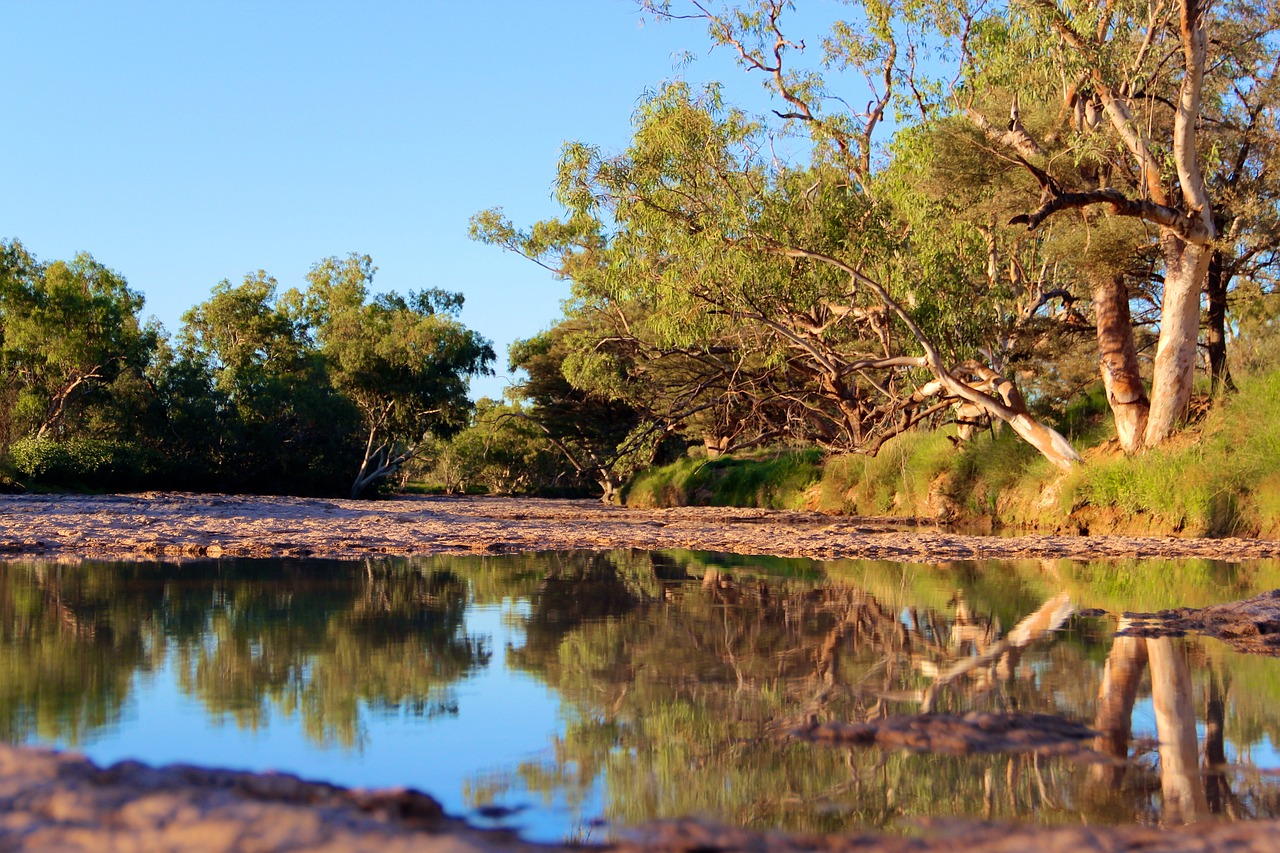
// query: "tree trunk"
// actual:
[[1186, 268], [610, 485], [1116, 696], [1006, 403], [1184, 800], [1216, 787], [1118, 361], [1215, 334], [715, 444]]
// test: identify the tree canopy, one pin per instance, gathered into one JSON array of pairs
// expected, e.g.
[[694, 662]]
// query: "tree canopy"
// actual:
[[324, 389]]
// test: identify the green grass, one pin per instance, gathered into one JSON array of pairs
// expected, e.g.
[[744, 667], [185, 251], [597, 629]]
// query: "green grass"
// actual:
[[896, 481], [779, 479], [1218, 477]]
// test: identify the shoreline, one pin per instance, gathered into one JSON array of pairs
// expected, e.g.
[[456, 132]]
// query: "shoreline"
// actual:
[[62, 801], [171, 525]]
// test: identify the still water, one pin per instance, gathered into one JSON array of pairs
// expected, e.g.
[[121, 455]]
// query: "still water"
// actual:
[[570, 694]]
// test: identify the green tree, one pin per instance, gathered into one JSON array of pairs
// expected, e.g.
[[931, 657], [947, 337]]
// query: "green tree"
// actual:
[[281, 424], [604, 438], [68, 332], [696, 218], [1166, 145], [403, 361], [504, 452]]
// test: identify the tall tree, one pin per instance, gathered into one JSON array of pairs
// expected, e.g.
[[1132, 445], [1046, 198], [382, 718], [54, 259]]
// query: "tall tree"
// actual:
[[67, 329], [696, 218], [603, 437], [404, 361], [1136, 75], [282, 425]]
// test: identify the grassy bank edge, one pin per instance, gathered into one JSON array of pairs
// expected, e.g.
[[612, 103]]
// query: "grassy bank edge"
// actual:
[[1219, 477]]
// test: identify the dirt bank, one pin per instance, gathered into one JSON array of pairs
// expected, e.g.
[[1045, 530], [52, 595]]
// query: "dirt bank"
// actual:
[[60, 801], [147, 526]]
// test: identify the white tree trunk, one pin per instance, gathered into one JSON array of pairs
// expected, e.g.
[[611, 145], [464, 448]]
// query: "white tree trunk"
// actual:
[[1186, 269]]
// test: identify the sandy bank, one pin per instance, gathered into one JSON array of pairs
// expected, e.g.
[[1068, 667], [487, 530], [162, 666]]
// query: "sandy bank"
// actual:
[[154, 525]]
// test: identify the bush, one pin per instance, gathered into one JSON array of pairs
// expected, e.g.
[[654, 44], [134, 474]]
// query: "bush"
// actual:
[[779, 479], [83, 463]]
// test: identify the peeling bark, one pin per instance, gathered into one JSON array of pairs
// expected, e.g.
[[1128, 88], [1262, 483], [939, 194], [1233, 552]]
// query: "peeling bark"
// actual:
[[1118, 362]]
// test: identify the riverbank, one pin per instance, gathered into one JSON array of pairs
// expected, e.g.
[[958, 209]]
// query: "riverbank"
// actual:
[[175, 525], [61, 801], [51, 800]]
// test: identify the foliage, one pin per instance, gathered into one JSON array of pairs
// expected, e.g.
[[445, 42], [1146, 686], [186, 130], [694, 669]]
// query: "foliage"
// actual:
[[773, 479], [602, 437], [259, 391], [1220, 480], [69, 332], [404, 361], [85, 463], [502, 452]]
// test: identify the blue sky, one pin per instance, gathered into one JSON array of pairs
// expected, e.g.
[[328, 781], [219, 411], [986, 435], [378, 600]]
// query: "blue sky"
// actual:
[[186, 142]]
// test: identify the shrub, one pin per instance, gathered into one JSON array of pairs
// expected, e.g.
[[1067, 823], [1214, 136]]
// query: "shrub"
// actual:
[[83, 463], [777, 479]]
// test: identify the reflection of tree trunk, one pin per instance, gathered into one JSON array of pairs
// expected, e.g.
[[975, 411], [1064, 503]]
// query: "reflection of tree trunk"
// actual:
[[1184, 800], [1116, 696], [1215, 752], [1118, 361]]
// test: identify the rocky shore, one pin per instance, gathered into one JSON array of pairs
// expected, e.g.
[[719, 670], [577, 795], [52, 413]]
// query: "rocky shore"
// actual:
[[53, 801]]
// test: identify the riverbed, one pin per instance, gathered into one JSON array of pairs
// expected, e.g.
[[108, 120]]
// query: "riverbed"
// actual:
[[171, 524], [759, 672]]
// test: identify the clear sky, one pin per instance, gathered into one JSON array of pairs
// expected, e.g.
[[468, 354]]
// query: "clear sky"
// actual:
[[186, 142]]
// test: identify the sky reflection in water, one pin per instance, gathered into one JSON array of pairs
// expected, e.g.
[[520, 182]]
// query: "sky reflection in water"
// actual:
[[561, 692]]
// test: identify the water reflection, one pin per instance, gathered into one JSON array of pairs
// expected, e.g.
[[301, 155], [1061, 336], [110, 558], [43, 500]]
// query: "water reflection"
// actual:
[[318, 640], [676, 677]]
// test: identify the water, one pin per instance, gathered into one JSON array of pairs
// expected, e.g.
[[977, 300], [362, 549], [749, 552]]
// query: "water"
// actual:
[[568, 695]]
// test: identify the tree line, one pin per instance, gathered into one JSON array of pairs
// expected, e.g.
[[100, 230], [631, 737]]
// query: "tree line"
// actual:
[[961, 212], [323, 389]]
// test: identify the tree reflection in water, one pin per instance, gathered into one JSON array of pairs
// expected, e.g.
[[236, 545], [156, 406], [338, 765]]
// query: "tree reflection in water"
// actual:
[[316, 639], [677, 701], [680, 674]]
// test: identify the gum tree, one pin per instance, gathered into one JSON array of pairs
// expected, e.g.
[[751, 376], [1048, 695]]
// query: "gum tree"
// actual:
[[404, 361], [68, 330], [698, 220]]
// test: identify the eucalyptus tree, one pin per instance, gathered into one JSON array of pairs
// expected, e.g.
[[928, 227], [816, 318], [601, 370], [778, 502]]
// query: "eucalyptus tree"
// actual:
[[603, 438], [1141, 133], [697, 220], [503, 451], [245, 362], [68, 331], [1136, 100], [404, 361]]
